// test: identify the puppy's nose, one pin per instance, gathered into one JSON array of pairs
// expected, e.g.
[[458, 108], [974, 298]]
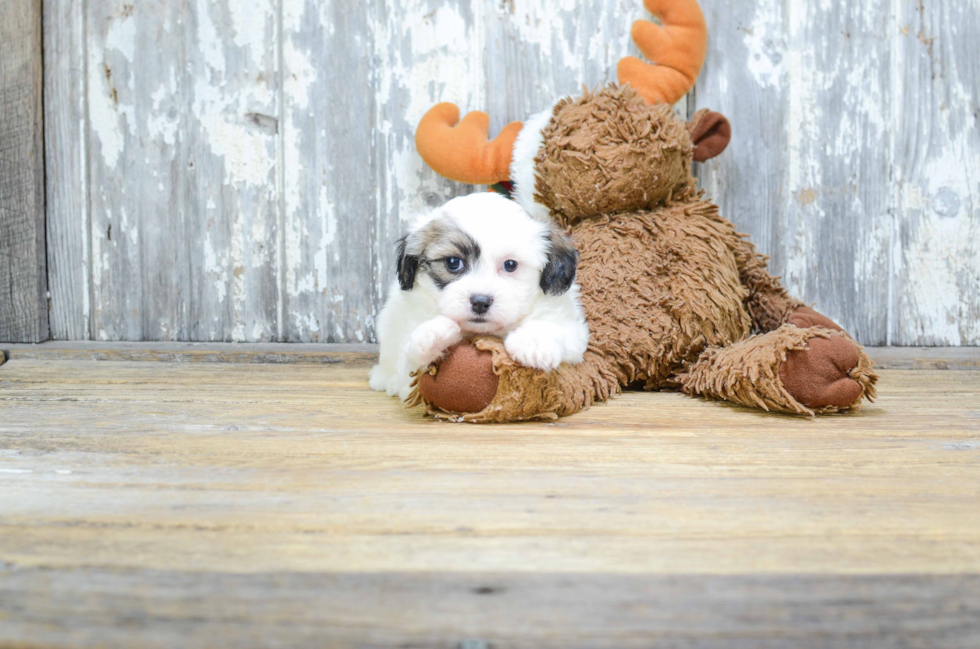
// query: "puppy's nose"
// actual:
[[481, 303]]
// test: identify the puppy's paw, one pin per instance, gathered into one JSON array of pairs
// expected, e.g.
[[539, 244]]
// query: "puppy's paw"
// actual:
[[431, 338], [534, 346]]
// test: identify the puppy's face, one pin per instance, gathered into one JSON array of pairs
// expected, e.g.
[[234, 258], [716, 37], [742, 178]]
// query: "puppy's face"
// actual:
[[485, 262]]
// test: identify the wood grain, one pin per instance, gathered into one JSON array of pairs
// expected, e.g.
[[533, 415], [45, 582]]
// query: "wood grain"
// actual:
[[194, 504], [65, 151], [182, 114], [936, 154], [172, 352], [885, 358], [259, 169], [23, 258], [330, 182], [475, 611], [854, 142]]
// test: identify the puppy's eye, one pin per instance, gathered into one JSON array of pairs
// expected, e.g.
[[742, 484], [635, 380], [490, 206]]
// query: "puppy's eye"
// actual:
[[510, 265], [454, 264]]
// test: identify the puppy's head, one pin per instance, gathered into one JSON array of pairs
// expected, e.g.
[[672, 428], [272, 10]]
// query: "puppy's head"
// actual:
[[485, 262]]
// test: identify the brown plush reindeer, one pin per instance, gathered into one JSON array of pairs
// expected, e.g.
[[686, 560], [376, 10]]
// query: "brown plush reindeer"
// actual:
[[674, 296]]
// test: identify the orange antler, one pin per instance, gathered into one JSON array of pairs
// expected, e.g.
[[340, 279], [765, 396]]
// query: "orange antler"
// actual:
[[677, 50], [463, 152]]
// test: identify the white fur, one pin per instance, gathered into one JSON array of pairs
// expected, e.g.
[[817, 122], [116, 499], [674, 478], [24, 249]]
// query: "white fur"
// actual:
[[526, 147], [539, 330]]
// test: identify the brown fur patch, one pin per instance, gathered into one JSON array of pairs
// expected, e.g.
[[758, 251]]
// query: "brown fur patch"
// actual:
[[526, 394], [609, 152], [748, 372]]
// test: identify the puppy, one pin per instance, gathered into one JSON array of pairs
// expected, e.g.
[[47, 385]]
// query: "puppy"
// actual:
[[480, 265]]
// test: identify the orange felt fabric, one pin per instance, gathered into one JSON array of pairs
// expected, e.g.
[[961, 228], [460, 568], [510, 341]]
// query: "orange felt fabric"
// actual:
[[461, 151], [677, 49]]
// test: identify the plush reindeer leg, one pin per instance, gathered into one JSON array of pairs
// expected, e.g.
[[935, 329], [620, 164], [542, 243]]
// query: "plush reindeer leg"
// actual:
[[477, 382], [792, 369]]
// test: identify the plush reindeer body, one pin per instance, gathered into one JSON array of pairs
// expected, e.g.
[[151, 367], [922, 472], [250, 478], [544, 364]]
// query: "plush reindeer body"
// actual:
[[672, 293]]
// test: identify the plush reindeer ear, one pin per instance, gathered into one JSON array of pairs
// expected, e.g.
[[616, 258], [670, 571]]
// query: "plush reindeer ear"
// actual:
[[559, 272], [408, 265], [710, 133]]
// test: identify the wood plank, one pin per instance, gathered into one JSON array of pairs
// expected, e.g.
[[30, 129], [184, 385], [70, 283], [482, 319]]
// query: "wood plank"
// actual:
[[230, 468], [176, 352], [855, 145], [183, 111], [330, 185], [885, 358], [807, 88], [66, 176], [185, 504], [936, 153], [925, 358], [471, 611], [23, 257]]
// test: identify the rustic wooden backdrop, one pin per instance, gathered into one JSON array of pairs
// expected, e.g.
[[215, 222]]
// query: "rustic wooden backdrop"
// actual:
[[237, 170]]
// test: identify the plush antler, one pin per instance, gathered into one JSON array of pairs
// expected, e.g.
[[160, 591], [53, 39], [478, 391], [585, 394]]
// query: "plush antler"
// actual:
[[464, 152], [677, 50]]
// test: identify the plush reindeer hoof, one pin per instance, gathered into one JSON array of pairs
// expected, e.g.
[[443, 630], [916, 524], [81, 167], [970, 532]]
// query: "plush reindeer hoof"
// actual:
[[820, 375], [464, 382], [805, 317]]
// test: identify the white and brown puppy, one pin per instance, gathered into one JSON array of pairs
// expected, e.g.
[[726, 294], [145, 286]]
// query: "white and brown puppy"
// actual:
[[480, 265]]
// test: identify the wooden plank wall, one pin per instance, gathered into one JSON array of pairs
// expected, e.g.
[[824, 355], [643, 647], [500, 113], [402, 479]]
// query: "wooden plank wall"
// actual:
[[23, 273], [856, 156], [239, 171]]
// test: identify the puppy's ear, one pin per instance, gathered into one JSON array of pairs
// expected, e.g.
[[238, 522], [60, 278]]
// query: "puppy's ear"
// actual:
[[559, 272], [408, 265]]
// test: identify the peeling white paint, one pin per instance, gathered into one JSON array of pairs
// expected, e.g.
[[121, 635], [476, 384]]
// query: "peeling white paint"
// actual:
[[248, 154], [121, 37], [209, 42], [219, 105], [300, 77], [251, 22]]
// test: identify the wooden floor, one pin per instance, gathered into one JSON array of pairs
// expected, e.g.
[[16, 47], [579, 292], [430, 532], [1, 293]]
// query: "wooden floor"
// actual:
[[193, 504]]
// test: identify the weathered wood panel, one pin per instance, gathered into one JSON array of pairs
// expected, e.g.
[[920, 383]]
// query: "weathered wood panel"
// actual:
[[936, 157], [330, 177], [259, 167], [23, 266], [182, 159], [65, 147], [854, 157]]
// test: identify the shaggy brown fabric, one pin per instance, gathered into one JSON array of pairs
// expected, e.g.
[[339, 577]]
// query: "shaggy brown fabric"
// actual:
[[673, 288], [524, 393], [750, 372], [608, 152]]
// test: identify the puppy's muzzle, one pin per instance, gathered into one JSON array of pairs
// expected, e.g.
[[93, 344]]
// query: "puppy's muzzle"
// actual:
[[480, 304]]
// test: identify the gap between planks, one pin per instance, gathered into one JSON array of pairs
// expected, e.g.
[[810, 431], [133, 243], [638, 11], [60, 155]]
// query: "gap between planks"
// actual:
[[885, 358]]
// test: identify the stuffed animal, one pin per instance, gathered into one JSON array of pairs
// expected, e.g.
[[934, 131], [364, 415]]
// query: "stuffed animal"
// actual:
[[674, 297]]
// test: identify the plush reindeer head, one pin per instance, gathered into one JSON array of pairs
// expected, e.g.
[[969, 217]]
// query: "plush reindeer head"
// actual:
[[615, 149]]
